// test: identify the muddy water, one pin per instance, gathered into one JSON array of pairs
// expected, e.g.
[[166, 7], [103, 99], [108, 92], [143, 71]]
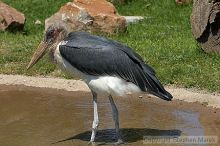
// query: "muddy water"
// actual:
[[40, 117]]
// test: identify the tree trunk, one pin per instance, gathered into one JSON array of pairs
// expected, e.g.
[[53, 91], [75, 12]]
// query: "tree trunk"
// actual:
[[205, 22]]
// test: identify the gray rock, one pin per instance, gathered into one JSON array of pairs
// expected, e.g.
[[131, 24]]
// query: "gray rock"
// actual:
[[133, 19], [205, 21]]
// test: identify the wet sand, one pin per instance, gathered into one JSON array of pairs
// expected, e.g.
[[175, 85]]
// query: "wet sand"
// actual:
[[39, 117]]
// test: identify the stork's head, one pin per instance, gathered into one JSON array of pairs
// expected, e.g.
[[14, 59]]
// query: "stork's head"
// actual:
[[53, 35]]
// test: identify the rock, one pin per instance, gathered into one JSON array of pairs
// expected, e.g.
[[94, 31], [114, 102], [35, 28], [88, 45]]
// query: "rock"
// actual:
[[10, 18], [200, 17], [75, 17], [133, 19], [38, 22], [179, 2], [89, 15], [205, 20]]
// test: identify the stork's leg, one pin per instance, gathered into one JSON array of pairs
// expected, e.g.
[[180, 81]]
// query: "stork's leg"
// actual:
[[116, 120], [95, 123]]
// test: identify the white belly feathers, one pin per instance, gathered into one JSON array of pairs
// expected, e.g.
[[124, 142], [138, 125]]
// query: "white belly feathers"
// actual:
[[115, 86]]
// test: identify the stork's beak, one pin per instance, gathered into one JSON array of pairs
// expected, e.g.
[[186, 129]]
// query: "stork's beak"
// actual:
[[39, 53]]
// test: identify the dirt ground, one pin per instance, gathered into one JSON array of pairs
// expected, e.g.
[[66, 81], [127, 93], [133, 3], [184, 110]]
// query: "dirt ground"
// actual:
[[188, 95]]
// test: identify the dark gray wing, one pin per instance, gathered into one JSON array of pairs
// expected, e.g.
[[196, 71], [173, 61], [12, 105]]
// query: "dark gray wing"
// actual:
[[98, 56], [85, 40], [103, 62]]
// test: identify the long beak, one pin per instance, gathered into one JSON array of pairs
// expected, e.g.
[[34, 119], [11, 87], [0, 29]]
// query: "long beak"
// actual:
[[39, 53]]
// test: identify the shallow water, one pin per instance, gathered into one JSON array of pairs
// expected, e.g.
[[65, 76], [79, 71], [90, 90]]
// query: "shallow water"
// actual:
[[40, 117]]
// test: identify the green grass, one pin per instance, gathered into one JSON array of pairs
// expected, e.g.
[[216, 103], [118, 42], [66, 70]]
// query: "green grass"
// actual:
[[163, 39]]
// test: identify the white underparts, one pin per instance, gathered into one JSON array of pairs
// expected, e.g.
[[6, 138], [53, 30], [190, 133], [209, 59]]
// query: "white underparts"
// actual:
[[111, 85]]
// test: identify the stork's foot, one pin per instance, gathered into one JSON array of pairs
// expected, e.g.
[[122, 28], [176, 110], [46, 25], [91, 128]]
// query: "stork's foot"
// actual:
[[91, 143]]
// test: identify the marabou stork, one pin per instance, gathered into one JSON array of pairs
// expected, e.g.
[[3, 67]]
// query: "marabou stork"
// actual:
[[107, 67]]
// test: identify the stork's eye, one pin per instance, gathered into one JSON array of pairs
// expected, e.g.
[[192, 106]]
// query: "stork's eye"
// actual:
[[49, 35]]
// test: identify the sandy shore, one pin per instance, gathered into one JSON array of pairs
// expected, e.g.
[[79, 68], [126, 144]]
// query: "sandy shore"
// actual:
[[187, 95]]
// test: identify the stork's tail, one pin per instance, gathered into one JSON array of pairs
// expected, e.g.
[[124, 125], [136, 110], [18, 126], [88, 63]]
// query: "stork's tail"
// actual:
[[156, 88], [159, 91]]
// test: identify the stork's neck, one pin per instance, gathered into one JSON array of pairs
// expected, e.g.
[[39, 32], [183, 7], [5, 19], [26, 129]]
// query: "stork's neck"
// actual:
[[52, 51], [55, 46]]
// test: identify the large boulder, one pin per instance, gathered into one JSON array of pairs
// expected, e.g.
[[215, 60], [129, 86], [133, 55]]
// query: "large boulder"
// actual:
[[205, 22], [10, 18], [89, 15]]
